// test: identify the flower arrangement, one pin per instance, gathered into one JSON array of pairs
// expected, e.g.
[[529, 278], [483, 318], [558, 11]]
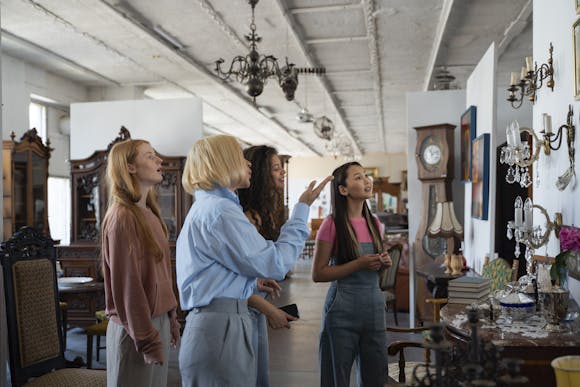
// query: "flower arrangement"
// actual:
[[569, 243]]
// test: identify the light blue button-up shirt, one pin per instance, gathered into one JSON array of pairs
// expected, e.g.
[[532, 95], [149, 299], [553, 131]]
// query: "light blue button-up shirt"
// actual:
[[220, 253]]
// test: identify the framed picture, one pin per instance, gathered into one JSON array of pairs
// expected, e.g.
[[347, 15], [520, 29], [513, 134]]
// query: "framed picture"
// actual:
[[480, 177], [467, 135], [372, 172], [577, 2], [576, 50]]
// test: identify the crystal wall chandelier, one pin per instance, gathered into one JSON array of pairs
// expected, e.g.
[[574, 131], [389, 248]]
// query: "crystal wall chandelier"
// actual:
[[254, 69]]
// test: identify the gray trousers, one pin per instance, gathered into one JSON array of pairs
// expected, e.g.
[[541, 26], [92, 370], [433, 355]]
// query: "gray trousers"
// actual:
[[216, 346], [126, 367], [260, 344]]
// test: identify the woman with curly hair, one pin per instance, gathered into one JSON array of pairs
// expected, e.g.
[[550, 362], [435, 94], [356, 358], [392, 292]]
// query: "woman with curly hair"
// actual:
[[261, 205]]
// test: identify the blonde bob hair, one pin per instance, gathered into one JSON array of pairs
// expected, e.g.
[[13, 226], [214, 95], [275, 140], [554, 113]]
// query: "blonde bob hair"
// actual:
[[212, 161], [125, 191]]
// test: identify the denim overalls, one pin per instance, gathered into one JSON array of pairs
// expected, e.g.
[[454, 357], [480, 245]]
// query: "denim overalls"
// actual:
[[353, 327]]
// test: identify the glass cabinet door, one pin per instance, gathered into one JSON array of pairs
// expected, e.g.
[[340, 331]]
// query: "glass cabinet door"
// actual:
[[20, 177], [88, 207], [167, 192], [38, 205]]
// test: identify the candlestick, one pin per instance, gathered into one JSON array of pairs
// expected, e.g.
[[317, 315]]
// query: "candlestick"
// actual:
[[517, 136]]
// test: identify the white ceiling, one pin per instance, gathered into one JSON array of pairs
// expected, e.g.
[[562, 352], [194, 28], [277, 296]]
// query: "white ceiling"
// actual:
[[374, 52]]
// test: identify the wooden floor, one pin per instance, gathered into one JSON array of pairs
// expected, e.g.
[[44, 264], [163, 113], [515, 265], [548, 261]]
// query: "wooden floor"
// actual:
[[293, 352]]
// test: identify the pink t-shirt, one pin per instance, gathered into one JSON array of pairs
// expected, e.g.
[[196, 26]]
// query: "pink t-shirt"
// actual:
[[327, 230]]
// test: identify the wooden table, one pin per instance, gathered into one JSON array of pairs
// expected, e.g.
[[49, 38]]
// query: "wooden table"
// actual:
[[437, 279], [83, 301], [524, 340]]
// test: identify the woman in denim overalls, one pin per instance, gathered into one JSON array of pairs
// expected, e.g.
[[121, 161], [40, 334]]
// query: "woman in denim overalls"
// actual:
[[349, 253]]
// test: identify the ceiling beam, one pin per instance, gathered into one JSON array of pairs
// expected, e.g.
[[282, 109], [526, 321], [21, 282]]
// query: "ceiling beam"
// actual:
[[324, 8], [346, 39], [53, 55], [515, 28], [299, 39], [371, 25], [439, 32]]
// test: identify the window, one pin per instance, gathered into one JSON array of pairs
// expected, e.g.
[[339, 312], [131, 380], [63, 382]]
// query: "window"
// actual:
[[37, 119], [59, 207]]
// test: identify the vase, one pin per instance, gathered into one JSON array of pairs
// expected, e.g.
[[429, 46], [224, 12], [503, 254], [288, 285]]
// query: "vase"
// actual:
[[447, 263], [563, 277], [456, 264], [554, 306]]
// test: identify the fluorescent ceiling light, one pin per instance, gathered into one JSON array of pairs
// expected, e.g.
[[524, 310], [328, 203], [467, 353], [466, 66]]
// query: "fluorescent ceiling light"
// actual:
[[168, 38]]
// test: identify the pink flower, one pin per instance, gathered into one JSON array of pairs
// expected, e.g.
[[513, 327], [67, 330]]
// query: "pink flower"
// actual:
[[570, 238]]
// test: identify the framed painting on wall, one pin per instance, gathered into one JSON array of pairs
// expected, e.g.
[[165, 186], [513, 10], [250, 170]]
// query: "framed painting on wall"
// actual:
[[577, 2], [480, 177], [468, 130], [372, 172], [576, 50]]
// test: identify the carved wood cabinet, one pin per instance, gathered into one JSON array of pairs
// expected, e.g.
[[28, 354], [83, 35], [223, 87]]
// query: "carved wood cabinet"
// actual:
[[25, 176], [89, 203]]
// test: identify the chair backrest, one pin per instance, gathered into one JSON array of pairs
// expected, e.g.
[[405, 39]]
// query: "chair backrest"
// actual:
[[499, 272], [31, 291], [388, 279]]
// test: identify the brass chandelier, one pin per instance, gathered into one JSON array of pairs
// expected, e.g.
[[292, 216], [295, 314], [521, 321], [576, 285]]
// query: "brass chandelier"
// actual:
[[254, 69]]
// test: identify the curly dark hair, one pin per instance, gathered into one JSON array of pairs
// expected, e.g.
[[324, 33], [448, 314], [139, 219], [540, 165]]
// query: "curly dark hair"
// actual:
[[262, 198]]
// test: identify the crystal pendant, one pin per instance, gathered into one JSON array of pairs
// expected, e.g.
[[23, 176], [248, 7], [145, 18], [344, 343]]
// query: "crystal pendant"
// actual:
[[510, 175], [528, 254], [510, 233], [525, 180], [517, 176], [517, 250]]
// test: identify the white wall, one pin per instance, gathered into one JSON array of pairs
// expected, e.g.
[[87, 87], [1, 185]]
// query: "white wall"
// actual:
[[481, 92], [171, 125], [19, 80], [430, 108], [553, 22]]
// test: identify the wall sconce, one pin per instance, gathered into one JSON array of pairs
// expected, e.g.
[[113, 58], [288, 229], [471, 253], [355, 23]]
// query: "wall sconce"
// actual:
[[522, 228], [553, 138], [531, 80], [519, 155]]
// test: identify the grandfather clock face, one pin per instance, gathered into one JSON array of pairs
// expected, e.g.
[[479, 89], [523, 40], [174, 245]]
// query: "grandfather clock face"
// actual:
[[434, 155]]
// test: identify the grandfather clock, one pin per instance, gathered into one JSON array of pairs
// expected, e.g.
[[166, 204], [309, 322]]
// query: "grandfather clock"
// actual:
[[434, 154]]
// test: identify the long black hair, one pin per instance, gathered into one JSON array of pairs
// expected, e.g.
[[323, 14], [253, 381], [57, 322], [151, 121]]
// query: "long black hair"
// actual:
[[346, 247], [262, 197]]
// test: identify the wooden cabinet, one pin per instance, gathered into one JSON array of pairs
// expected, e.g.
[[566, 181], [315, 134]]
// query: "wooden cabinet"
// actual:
[[387, 196], [25, 176], [89, 204]]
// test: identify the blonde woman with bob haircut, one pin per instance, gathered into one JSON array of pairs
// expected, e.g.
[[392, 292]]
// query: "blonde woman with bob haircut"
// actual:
[[139, 297], [220, 254]]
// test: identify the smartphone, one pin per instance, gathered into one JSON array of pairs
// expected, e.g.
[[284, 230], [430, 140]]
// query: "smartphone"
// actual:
[[291, 309]]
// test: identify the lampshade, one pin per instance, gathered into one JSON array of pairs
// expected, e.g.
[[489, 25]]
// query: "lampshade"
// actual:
[[445, 223]]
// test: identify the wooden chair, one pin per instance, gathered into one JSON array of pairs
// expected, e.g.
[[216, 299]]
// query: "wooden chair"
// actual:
[[388, 280], [35, 337], [98, 330], [405, 368]]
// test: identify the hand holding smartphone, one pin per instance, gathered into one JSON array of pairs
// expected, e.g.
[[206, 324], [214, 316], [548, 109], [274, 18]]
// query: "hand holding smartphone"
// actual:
[[291, 309]]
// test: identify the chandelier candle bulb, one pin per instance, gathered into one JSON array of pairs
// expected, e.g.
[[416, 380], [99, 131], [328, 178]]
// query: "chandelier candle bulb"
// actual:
[[529, 63], [528, 214], [547, 123], [514, 79], [523, 74], [518, 217]]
